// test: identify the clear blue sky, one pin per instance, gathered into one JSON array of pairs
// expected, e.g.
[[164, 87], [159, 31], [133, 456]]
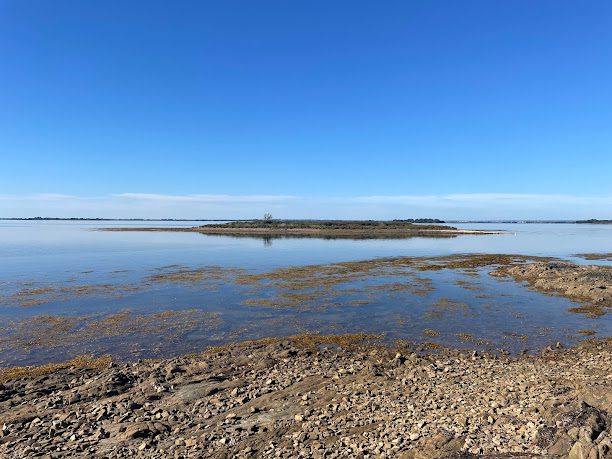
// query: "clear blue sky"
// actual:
[[309, 108]]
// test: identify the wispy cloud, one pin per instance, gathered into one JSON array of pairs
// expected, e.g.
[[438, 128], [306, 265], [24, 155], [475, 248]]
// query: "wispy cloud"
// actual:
[[446, 206], [38, 197], [205, 198], [484, 198]]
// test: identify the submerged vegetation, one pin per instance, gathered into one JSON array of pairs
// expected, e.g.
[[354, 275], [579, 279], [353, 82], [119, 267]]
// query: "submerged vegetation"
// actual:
[[316, 286], [445, 306], [46, 331], [31, 295], [207, 276], [405, 285]]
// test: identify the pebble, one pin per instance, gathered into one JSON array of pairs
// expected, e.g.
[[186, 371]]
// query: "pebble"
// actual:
[[282, 400]]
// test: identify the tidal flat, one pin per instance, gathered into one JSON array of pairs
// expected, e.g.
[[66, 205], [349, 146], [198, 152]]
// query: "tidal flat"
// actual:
[[166, 344], [475, 301]]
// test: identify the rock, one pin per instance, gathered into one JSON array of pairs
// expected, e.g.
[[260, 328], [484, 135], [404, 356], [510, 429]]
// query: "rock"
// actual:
[[137, 430], [561, 445], [442, 404], [579, 450], [190, 442]]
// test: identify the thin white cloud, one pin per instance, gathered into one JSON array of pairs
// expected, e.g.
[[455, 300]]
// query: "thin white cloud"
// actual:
[[38, 197], [205, 198], [484, 198], [445, 206], [395, 199]]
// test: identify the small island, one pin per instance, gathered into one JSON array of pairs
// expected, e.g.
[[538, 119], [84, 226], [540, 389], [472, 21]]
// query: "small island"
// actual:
[[359, 229], [595, 221]]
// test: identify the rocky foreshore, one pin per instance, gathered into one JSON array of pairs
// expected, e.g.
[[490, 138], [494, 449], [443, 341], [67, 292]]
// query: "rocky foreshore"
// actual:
[[315, 397], [586, 283]]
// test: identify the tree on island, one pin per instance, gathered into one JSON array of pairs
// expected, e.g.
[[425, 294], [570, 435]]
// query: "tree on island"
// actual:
[[267, 217]]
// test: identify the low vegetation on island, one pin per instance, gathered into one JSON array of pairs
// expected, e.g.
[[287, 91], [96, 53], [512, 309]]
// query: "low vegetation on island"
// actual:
[[360, 229], [595, 221]]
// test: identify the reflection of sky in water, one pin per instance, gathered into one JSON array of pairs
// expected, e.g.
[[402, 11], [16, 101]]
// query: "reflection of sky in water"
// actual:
[[499, 313]]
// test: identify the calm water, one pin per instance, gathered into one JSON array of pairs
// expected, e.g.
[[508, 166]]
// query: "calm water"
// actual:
[[67, 289]]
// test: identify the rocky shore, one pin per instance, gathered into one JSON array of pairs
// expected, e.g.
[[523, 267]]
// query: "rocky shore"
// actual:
[[340, 396], [592, 283]]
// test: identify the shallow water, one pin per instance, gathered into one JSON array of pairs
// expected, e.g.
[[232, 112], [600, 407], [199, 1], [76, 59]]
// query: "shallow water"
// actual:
[[67, 289]]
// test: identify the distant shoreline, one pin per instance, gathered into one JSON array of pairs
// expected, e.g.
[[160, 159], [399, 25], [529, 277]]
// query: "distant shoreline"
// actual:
[[120, 219], [97, 219]]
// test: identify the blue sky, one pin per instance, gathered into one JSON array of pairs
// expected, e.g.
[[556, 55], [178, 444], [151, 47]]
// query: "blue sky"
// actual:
[[350, 109]]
